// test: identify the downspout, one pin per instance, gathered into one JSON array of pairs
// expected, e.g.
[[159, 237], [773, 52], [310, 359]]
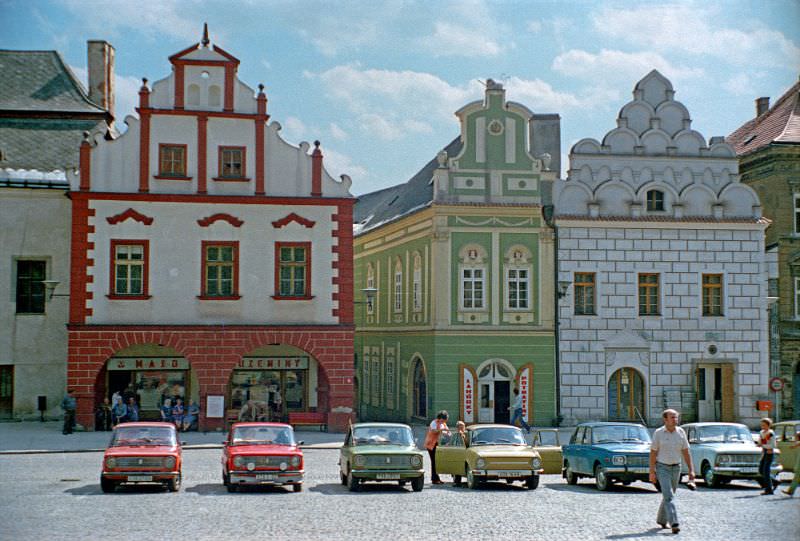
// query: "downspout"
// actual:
[[548, 215]]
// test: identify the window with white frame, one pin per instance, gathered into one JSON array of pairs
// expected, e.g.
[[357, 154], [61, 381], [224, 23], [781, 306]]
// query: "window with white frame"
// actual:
[[371, 286], [129, 267], [417, 284], [518, 276], [472, 278], [398, 286], [390, 382], [376, 381], [797, 214]]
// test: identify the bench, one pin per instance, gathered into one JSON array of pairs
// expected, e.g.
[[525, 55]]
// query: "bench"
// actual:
[[308, 418]]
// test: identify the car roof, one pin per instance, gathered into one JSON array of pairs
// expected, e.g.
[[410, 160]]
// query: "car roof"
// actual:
[[145, 424], [381, 425], [713, 423], [257, 424], [491, 425], [608, 423], [787, 422]]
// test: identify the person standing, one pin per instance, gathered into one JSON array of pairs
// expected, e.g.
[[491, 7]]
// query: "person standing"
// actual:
[[69, 404], [177, 413], [516, 411], [669, 443], [102, 416], [766, 441], [436, 428], [796, 480], [133, 410], [119, 412]]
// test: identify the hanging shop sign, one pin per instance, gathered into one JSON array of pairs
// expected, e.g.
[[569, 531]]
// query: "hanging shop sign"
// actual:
[[275, 363], [467, 394], [148, 363], [524, 377]]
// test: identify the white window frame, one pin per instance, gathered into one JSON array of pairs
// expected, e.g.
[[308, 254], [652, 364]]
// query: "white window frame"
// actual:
[[797, 297], [371, 286], [130, 263], [517, 268], [417, 285], [796, 215], [398, 288], [462, 292]]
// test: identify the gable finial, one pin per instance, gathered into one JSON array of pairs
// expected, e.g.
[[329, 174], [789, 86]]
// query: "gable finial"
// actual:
[[205, 41]]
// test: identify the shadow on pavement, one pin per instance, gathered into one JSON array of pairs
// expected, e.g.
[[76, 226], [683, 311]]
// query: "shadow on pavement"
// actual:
[[94, 490], [218, 489], [647, 533], [363, 489], [590, 489]]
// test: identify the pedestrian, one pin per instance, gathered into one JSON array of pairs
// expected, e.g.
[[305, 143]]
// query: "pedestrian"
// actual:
[[102, 416], [437, 427], [669, 443], [166, 411], [177, 413], [119, 412], [69, 405], [516, 411], [796, 479], [192, 412], [766, 440], [133, 410]]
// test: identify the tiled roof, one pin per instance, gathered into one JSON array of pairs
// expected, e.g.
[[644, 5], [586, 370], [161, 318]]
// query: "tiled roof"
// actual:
[[43, 144], [780, 124], [41, 81], [686, 219]]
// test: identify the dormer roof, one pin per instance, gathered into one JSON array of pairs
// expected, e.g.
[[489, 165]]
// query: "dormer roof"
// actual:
[[780, 124]]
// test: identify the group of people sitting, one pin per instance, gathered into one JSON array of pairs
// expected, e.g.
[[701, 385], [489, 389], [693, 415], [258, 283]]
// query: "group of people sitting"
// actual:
[[121, 410], [182, 417]]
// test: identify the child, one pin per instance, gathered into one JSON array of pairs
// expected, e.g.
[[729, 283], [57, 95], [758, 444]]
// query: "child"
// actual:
[[766, 441]]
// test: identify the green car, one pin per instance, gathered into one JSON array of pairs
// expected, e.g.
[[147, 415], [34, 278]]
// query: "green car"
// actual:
[[380, 452]]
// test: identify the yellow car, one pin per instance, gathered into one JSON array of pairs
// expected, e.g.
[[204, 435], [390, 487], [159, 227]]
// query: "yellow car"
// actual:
[[488, 453], [785, 437], [546, 443]]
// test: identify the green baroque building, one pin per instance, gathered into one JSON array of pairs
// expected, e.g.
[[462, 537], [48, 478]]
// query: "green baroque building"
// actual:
[[456, 272]]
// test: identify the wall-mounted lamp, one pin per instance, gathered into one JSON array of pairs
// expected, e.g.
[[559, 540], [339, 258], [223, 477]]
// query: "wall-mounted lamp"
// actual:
[[563, 288], [50, 286]]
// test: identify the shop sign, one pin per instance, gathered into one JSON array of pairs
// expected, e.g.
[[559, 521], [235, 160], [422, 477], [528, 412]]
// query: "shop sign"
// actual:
[[524, 383], [275, 363], [468, 394], [148, 363]]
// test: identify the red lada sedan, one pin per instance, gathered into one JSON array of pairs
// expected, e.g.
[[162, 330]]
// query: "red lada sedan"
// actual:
[[262, 454], [142, 453]]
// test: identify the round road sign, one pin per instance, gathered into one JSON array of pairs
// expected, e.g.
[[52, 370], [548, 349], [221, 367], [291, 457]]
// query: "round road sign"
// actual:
[[776, 384]]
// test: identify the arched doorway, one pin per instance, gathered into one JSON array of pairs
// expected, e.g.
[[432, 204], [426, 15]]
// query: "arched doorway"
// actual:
[[626, 396], [495, 378], [419, 406]]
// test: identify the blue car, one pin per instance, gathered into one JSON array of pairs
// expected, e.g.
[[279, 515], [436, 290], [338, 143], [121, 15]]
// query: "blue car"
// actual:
[[608, 452]]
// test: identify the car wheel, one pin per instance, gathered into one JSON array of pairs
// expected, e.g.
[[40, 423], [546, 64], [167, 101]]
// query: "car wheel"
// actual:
[[107, 485], [417, 483], [532, 482], [343, 478], [232, 487], [472, 480], [174, 484], [352, 482], [710, 479], [226, 480], [456, 479], [572, 477], [601, 480], [297, 487], [402, 483]]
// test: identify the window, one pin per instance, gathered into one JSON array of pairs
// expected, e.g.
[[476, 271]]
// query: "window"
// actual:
[[517, 289], [648, 294], [370, 299], [390, 383], [172, 161], [712, 294], [376, 381], [231, 163], [417, 284], [472, 289], [797, 214], [655, 200], [584, 287], [30, 289], [220, 270], [129, 268], [293, 270], [398, 286], [797, 298]]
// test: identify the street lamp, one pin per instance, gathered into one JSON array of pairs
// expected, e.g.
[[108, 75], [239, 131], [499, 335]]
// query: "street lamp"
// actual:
[[50, 286], [563, 288]]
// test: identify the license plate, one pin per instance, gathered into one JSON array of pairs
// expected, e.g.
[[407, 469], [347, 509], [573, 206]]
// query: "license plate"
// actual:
[[389, 476], [508, 473], [265, 477], [140, 478], [749, 470]]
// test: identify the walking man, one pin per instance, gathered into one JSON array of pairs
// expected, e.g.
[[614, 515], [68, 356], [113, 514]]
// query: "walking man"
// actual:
[[516, 411], [68, 405], [669, 443]]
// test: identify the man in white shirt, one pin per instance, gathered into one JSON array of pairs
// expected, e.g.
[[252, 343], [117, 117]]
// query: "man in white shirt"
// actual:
[[669, 445]]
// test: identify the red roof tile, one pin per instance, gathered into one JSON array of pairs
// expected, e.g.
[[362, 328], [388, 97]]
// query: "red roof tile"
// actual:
[[780, 124]]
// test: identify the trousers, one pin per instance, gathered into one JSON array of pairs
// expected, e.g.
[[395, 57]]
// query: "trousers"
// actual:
[[764, 468], [668, 477]]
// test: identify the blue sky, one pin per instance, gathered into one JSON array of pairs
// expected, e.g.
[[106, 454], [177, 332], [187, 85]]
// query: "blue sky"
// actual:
[[378, 81]]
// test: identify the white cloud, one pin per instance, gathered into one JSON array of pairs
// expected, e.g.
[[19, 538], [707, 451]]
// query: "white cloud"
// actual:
[[535, 26], [337, 133], [539, 95], [697, 31], [293, 129], [618, 67], [740, 84], [338, 164], [379, 126], [451, 39]]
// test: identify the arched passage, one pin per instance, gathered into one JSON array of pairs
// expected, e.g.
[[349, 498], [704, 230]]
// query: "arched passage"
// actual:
[[626, 395]]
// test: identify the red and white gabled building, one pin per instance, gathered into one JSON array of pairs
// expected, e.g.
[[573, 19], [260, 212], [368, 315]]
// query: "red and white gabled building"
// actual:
[[210, 259]]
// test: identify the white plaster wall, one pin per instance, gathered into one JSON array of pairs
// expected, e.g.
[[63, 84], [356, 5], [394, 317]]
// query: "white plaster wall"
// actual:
[[663, 348], [35, 224], [175, 264]]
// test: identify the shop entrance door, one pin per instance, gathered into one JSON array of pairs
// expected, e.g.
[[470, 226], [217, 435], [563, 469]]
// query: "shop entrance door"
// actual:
[[6, 391], [709, 392], [502, 397], [118, 380], [494, 384]]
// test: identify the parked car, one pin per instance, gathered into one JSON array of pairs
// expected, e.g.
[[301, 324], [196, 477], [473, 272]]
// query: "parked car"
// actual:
[[262, 454], [786, 436], [546, 442], [722, 452], [489, 452], [142, 453], [609, 452], [380, 452]]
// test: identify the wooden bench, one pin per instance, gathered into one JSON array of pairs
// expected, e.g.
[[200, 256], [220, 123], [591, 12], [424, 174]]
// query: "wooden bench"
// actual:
[[308, 418]]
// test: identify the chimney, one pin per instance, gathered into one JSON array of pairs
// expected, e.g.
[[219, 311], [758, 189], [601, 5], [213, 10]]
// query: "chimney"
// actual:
[[101, 74], [762, 106]]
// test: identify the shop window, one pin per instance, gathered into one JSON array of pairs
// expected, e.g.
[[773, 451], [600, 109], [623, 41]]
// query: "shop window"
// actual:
[[172, 161], [30, 289], [655, 200], [584, 288], [232, 163], [712, 294], [293, 270], [417, 284], [648, 294], [129, 269], [220, 270], [398, 286], [266, 395]]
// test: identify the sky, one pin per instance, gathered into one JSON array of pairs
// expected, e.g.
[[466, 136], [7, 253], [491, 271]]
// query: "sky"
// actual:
[[378, 82]]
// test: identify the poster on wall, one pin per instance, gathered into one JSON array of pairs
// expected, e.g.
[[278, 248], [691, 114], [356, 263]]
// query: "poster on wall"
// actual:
[[525, 385], [215, 406], [467, 394]]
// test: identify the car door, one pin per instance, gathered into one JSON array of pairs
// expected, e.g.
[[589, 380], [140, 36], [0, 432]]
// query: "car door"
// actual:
[[785, 439], [451, 454], [570, 452], [346, 452], [585, 459], [691, 436], [546, 443]]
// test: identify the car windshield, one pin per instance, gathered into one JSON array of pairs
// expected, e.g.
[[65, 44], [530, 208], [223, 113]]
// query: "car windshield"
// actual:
[[724, 434], [143, 435], [383, 435], [497, 435], [262, 435], [620, 434]]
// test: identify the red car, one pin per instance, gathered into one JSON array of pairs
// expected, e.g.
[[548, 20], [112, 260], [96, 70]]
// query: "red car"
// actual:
[[262, 454], [142, 453]]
